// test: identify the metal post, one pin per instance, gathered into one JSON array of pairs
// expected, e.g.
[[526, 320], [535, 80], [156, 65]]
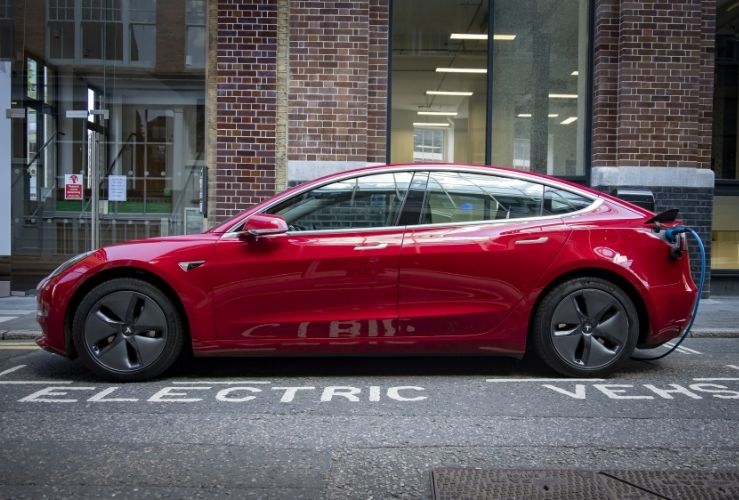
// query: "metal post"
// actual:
[[95, 182]]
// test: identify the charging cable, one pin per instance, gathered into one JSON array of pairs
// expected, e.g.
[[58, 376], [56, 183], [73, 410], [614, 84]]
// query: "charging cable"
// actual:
[[671, 236]]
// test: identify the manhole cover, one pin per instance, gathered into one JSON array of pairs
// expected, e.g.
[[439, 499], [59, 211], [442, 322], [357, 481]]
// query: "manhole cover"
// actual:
[[551, 484]]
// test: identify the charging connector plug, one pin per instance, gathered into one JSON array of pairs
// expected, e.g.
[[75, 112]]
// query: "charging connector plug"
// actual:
[[672, 233]]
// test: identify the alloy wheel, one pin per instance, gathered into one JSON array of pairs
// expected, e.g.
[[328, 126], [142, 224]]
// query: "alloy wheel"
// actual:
[[125, 331], [589, 328]]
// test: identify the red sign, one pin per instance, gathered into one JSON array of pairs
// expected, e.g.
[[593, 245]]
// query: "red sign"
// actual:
[[73, 187]]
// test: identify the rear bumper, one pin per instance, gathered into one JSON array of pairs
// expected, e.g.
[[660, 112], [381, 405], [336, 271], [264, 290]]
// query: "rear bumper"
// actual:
[[670, 309]]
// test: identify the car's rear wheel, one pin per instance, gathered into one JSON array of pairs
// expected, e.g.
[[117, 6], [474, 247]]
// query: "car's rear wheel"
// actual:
[[127, 329], [585, 327]]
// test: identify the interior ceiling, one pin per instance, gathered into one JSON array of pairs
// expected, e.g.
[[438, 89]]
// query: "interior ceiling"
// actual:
[[421, 43]]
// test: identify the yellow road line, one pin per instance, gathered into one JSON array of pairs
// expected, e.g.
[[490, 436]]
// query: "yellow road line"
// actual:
[[12, 346]]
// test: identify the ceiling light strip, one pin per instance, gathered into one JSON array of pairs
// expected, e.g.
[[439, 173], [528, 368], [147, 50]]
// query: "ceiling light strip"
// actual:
[[430, 124], [449, 93], [462, 70]]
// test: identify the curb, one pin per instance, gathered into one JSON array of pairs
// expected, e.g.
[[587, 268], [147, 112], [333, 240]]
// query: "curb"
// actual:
[[20, 335], [718, 333]]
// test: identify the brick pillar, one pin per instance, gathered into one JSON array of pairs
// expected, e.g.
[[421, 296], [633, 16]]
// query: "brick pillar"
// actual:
[[338, 85], [652, 103], [245, 114]]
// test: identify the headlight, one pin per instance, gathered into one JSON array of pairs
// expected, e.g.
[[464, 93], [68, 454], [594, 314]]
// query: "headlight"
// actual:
[[68, 263]]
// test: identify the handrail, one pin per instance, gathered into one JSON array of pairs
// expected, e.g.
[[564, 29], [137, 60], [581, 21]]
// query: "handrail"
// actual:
[[37, 154]]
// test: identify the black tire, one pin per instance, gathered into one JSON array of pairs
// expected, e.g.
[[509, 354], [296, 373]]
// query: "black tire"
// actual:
[[585, 327], [126, 330]]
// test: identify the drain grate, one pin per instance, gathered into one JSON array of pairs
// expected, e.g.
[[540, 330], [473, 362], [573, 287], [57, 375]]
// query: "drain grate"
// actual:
[[552, 484]]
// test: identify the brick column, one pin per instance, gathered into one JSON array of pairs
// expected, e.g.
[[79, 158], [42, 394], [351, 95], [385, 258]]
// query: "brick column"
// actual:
[[245, 114], [338, 85], [652, 103]]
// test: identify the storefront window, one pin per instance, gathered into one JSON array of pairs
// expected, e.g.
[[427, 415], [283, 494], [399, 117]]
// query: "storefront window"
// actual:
[[439, 67], [725, 235], [538, 82], [107, 129], [540, 85]]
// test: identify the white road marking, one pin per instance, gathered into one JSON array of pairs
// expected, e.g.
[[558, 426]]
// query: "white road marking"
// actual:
[[17, 312], [35, 382], [545, 380], [682, 349], [3, 319], [733, 366], [232, 382], [717, 379], [11, 370]]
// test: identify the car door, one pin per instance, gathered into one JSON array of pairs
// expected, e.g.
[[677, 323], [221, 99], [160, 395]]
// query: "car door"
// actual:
[[481, 244], [333, 275]]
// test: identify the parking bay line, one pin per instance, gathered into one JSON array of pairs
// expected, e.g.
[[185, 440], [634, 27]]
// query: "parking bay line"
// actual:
[[717, 379], [11, 370], [682, 349], [224, 382], [545, 380], [36, 382], [3, 319]]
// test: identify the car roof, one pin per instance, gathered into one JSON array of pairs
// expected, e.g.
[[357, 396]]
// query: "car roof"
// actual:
[[415, 167]]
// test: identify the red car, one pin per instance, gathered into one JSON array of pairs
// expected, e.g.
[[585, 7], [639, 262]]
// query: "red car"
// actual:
[[404, 259]]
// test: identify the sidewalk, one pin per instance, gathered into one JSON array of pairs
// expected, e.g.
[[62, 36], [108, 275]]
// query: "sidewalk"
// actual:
[[717, 317]]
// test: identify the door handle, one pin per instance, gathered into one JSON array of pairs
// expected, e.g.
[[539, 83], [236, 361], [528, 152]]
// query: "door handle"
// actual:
[[371, 246], [536, 241]]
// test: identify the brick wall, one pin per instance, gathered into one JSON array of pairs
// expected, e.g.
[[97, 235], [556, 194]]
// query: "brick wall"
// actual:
[[245, 114], [653, 104], [338, 80], [377, 87], [653, 83]]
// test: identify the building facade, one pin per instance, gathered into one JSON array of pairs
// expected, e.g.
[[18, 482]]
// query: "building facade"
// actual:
[[173, 115]]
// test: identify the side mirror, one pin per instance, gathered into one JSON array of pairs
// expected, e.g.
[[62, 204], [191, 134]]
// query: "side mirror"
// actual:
[[265, 224]]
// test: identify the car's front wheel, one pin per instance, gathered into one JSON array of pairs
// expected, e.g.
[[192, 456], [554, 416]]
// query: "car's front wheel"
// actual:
[[585, 327], [127, 329]]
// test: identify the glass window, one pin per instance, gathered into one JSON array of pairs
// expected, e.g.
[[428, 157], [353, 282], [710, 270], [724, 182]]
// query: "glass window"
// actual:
[[538, 80], [540, 85], [559, 201], [360, 202], [464, 197], [428, 144], [726, 98], [725, 235], [6, 30], [195, 20], [142, 31], [439, 66], [31, 79]]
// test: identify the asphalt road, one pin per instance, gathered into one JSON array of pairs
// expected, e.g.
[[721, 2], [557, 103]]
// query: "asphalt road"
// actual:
[[351, 428]]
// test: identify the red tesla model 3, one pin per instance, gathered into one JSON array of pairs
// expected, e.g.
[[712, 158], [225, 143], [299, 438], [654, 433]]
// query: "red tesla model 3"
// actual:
[[403, 259]]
